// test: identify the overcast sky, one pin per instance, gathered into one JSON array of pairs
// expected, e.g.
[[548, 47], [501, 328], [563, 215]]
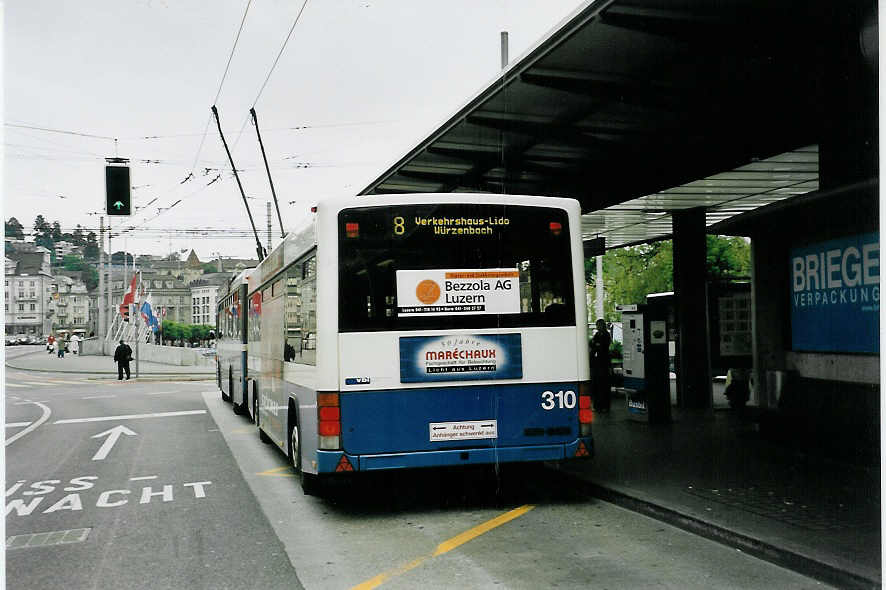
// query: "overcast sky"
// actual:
[[359, 83]]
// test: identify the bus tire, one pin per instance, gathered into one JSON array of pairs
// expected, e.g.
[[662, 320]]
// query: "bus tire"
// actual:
[[308, 481], [227, 397], [238, 408], [261, 433]]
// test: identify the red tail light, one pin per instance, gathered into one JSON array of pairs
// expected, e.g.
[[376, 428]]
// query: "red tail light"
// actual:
[[352, 230], [330, 414], [556, 227], [330, 428], [329, 420], [585, 413]]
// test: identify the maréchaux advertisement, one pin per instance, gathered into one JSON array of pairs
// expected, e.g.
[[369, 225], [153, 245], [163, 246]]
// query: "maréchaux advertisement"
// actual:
[[458, 291], [460, 357]]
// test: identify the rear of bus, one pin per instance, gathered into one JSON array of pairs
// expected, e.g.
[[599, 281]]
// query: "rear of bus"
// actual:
[[462, 334]]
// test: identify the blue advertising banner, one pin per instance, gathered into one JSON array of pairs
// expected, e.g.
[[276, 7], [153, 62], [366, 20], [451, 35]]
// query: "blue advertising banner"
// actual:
[[835, 295], [461, 357]]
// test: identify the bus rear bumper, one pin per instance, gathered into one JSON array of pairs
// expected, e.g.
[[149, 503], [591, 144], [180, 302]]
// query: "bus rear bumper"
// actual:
[[329, 461]]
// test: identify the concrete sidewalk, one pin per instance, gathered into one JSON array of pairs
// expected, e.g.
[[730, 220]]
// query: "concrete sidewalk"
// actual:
[[711, 473], [102, 365]]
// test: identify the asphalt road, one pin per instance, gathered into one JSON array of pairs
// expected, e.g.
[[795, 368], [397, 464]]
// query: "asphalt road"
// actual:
[[164, 507], [194, 500]]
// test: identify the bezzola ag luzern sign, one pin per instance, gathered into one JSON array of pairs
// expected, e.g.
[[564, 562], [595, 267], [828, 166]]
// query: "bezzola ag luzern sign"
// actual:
[[835, 295]]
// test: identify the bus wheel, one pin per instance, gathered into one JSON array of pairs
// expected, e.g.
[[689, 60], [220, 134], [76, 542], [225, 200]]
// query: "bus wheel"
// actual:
[[308, 480], [261, 433], [239, 408], [227, 397]]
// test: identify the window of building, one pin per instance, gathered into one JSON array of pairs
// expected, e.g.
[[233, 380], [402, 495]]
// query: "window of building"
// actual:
[[33, 307], [21, 307]]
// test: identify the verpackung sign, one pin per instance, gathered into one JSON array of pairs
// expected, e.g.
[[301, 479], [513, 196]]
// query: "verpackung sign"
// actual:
[[835, 295]]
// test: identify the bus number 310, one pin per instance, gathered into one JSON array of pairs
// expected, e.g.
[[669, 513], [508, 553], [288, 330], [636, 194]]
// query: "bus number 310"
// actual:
[[564, 399]]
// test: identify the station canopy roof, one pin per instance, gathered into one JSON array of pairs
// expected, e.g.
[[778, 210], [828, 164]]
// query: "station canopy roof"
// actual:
[[638, 108]]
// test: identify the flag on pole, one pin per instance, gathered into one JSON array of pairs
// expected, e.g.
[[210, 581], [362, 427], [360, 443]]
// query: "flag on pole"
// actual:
[[128, 297], [148, 315]]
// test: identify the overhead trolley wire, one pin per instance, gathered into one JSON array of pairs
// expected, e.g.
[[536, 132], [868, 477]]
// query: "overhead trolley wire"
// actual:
[[62, 131], [221, 84], [280, 53], [271, 71]]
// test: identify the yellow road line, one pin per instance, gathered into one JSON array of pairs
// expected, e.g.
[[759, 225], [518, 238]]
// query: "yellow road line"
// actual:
[[278, 472], [446, 546]]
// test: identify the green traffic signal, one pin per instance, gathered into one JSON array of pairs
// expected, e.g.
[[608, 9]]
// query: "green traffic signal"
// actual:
[[118, 199]]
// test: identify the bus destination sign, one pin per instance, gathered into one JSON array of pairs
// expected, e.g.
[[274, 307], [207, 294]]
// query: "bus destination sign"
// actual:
[[457, 225]]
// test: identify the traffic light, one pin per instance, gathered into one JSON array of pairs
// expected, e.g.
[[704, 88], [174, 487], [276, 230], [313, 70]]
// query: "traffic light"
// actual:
[[118, 200]]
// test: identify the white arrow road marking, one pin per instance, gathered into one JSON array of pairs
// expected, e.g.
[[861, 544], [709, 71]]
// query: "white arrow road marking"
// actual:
[[17, 424], [130, 417], [46, 413], [113, 434]]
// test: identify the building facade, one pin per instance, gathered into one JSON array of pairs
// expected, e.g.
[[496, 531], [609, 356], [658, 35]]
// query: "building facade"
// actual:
[[72, 305], [204, 297], [28, 292]]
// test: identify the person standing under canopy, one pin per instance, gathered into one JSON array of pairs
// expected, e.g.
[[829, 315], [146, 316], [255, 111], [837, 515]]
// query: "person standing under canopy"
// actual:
[[600, 367]]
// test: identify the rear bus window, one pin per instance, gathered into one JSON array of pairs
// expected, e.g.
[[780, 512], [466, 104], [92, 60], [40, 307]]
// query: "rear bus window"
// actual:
[[454, 266]]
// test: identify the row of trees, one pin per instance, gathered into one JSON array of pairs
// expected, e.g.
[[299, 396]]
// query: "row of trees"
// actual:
[[87, 271], [178, 333], [47, 234], [630, 274]]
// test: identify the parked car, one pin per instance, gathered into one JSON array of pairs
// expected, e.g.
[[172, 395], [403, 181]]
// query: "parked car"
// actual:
[[11, 341], [23, 339]]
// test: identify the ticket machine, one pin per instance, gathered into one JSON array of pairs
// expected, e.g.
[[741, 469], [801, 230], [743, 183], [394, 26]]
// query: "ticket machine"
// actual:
[[645, 363]]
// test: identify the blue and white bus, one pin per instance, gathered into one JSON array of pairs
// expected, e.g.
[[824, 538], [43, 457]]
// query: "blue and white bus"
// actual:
[[422, 330], [231, 370]]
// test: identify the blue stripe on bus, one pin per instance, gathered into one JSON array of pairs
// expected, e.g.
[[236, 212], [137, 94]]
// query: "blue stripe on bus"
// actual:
[[396, 421], [327, 461]]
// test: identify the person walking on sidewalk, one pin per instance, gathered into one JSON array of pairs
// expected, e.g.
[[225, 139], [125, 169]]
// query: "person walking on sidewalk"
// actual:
[[122, 356], [49, 344], [75, 344], [60, 345], [600, 367]]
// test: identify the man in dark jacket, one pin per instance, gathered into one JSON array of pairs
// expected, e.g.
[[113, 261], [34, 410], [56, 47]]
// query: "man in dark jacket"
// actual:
[[122, 356], [600, 367]]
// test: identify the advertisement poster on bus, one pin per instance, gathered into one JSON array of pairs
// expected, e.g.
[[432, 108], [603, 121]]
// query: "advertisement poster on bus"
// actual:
[[462, 357], [462, 292], [835, 295]]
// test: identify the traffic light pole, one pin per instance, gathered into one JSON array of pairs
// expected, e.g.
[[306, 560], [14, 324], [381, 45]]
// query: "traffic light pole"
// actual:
[[101, 278]]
